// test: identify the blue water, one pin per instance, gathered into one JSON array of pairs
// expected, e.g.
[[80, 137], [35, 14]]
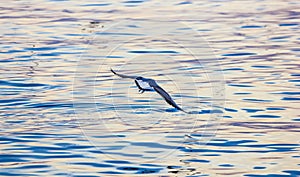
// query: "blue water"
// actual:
[[234, 65]]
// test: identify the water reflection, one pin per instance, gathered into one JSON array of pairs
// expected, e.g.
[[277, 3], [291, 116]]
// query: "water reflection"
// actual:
[[53, 126]]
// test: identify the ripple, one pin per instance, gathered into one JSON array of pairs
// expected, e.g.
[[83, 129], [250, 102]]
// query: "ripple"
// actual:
[[99, 4], [292, 172], [197, 160], [265, 116], [275, 109], [15, 174], [215, 111], [14, 140], [33, 166], [287, 93], [49, 105], [233, 69], [240, 85], [19, 84], [117, 161], [288, 24], [70, 156], [252, 110], [239, 54], [99, 165], [242, 93], [118, 34], [40, 48], [231, 143], [256, 100], [261, 66], [134, 1], [252, 26], [153, 145], [279, 38], [267, 175], [140, 170], [184, 3], [259, 168], [231, 110], [226, 165], [4, 101], [294, 80], [290, 99], [153, 51], [5, 158]]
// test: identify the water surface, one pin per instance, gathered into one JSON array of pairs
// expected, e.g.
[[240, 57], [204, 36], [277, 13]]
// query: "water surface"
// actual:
[[235, 64]]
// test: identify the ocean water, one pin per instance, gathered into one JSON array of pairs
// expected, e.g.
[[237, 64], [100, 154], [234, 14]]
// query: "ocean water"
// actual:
[[233, 64]]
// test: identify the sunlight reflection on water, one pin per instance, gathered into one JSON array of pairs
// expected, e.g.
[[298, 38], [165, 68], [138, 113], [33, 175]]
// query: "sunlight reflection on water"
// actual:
[[63, 113]]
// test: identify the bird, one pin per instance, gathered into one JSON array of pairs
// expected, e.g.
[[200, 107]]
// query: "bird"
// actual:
[[147, 84]]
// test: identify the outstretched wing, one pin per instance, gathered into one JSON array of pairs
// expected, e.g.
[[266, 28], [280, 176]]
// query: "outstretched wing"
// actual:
[[122, 75], [167, 97]]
